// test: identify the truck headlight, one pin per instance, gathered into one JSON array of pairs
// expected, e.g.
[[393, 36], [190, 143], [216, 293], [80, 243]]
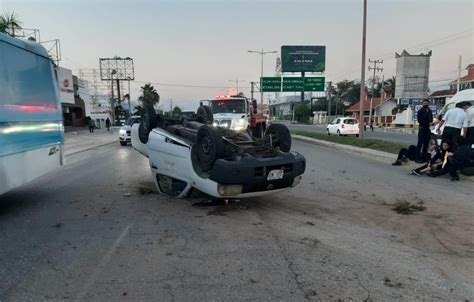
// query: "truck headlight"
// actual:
[[229, 190], [241, 124]]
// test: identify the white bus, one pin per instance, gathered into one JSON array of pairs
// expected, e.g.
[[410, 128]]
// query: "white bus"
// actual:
[[31, 123]]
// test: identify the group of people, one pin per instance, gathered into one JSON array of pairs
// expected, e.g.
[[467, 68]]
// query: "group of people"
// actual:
[[92, 126], [453, 154]]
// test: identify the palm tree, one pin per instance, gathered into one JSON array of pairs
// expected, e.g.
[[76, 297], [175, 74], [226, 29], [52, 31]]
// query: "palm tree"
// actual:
[[389, 86], [149, 95], [9, 23]]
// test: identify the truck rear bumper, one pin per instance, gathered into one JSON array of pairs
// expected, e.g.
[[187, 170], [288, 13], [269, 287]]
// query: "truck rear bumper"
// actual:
[[252, 173]]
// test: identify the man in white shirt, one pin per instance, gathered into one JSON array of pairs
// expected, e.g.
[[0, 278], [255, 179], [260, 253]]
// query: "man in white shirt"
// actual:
[[470, 123], [455, 120]]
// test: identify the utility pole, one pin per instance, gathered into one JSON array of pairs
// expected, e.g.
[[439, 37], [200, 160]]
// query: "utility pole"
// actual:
[[375, 68], [328, 94], [362, 73], [262, 53], [251, 90], [236, 81], [459, 74], [129, 105], [112, 100]]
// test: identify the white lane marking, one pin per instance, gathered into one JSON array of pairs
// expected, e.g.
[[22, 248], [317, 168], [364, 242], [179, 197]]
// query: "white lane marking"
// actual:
[[103, 263]]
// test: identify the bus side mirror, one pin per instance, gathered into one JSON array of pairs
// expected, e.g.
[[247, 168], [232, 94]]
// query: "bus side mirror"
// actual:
[[254, 105]]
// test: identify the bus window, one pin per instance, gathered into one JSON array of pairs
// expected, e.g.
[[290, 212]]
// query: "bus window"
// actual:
[[28, 87]]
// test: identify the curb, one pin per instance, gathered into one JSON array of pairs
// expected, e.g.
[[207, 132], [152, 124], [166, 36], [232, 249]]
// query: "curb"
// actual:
[[87, 149], [381, 156], [362, 152]]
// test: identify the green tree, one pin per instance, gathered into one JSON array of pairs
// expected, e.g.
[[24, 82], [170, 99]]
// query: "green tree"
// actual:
[[389, 86], [149, 95], [9, 22], [177, 111], [302, 112]]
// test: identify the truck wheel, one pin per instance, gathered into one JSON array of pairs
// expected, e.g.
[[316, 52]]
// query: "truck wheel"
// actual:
[[147, 123], [204, 115], [210, 147], [258, 131], [280, 136]]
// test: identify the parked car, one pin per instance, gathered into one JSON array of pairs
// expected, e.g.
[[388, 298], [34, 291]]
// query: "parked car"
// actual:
[[125, 131], [222, 163], [343, 126]]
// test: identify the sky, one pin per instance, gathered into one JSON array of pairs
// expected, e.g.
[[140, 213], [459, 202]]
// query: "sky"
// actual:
[[205, 43]]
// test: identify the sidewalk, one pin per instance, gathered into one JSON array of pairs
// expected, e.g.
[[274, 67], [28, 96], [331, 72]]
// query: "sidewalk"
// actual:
[[81, 140]]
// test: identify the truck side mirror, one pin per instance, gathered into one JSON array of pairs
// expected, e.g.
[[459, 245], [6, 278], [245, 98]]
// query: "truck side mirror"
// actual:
[[254, 105]]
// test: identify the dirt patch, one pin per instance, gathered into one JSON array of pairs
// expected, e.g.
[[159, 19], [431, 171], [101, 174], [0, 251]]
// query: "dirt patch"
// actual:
[[406, 208], [390, 283], [147, 188]]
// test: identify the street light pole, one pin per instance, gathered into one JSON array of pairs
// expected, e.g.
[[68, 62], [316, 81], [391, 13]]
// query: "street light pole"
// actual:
[[262, 53], [129, 106], [362, 74]]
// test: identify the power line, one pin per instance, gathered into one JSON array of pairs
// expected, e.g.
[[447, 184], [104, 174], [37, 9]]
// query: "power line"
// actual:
[[185, 85], [389, 55]]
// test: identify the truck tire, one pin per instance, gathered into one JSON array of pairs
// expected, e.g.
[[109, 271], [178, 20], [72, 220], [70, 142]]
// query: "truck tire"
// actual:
[[209, 147], [204, 115], [147, 123], [280, 137], [258, 131]]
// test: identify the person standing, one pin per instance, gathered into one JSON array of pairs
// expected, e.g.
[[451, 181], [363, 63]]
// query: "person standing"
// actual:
[[425, 120], [455, 119], [91, 125], [107, 124], [470, 123]]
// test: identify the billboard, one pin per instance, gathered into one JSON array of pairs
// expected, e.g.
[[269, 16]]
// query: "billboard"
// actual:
[[303, 58], [65, 84]]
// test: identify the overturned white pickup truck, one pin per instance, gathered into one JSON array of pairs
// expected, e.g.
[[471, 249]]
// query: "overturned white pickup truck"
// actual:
[[191, 154]]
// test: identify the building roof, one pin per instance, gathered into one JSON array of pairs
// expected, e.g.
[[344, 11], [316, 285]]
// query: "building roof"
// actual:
[[441, 93], [356, 107], [467, 78]]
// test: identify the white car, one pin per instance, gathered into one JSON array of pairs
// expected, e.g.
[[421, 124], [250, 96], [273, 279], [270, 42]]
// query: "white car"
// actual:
[[343, 126], [125, 131], [222, 163]]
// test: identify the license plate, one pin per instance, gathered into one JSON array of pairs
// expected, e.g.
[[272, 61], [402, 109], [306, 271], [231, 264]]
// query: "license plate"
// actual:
[[275, 174]]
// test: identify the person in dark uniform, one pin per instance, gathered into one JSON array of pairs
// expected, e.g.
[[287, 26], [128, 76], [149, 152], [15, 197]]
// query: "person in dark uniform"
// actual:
[[108, 124], [425, 120]]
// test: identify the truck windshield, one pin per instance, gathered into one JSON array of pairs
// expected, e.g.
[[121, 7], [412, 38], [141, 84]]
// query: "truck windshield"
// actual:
[[228, 106]]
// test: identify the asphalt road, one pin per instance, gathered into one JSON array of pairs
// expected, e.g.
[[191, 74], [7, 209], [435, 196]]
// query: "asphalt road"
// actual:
[[390, 136], [76, 234]]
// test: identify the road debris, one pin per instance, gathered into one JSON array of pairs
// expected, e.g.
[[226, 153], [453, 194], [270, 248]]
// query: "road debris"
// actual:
[[390, 283], [406, 208]]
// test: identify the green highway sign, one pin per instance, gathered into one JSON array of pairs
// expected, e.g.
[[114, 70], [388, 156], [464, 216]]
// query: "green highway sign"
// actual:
[[293, 84], [270, 84], [314, 83]]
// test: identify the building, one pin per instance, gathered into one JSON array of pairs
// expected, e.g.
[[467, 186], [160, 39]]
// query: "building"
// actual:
[[466, 82], [382, 110], [412, 72], [72, 105]]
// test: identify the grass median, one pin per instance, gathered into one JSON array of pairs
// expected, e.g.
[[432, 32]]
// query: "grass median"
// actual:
[[374, 144]]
